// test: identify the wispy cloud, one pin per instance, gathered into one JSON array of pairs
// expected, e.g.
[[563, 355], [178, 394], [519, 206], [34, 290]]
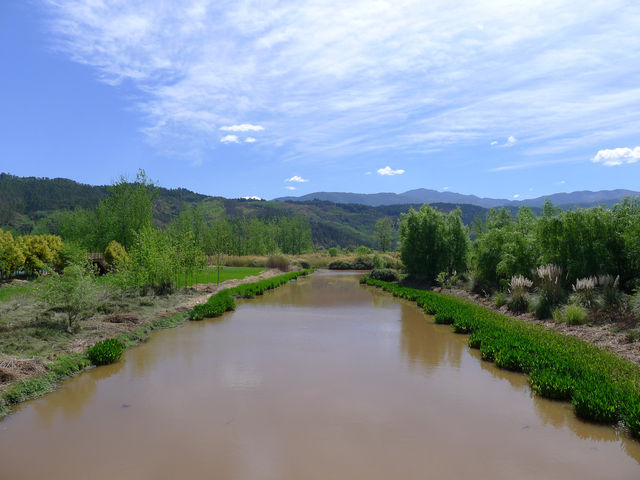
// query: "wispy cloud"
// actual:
[[249, 140], [617, 156], [290, 187], [296, 179], [244, 127], [421, 75], [389, 171], [230, 139]]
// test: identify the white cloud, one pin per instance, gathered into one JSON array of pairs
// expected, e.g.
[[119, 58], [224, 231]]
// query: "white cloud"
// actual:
[[495, 142], [296, 179], [617, 156], [560, 182], [367, 173], [290, 187], [389, 171], [511, 141], [396, 76], [249, 140], [517, 195], [244, 127], [445, 188], [230, 139]]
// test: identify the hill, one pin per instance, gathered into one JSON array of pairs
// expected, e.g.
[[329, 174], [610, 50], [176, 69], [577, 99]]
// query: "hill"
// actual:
[[583, 198]]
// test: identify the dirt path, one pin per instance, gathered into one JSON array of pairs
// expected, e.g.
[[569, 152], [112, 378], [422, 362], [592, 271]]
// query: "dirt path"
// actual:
[[601, 335]]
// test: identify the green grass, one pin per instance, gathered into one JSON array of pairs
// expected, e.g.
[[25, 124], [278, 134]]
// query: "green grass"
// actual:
[[601, 387], [210, 275], [7, 292]]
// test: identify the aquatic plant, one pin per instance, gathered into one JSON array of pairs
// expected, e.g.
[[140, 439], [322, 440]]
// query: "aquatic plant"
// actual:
[[600, 386], [105, 352]]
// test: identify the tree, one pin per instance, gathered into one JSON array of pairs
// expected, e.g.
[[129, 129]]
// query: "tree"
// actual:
[[422, 246], [11, 257], [126, 211], [457, 242], [73, 292], [384, 233]]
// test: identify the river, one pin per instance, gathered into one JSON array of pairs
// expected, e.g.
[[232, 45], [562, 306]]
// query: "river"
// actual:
[[319, 379]]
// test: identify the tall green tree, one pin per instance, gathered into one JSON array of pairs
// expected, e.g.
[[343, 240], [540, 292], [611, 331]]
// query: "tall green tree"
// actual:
[[423, 247], [127, 210], [384, 233]]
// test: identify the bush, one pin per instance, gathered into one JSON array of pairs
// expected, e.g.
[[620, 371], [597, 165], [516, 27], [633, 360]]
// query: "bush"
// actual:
[[385, 274], [572, 313], [378, 261], [500, 299], [278, 261], [340, 265], [333, 252], [105, 352], [115, 255], [518, 300], [362, 263], [214, 307], [540, 307], [362, 250]]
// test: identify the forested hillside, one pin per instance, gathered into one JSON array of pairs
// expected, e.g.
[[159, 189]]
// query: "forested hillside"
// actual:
[[42, 205]]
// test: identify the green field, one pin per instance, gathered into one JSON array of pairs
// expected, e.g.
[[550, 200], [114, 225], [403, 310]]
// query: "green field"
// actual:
[[210, 275], [9, 291]]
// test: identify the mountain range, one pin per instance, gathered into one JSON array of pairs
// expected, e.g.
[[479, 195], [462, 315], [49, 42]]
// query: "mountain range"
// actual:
[[583, 198]]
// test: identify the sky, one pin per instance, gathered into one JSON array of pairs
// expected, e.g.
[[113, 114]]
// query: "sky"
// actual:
[[502, 99]]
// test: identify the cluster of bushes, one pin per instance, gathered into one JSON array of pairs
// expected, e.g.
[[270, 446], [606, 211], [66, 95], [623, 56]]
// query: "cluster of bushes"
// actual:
[[600, 386], [29, 254], [365, 262], [545, 296], [223, 301]]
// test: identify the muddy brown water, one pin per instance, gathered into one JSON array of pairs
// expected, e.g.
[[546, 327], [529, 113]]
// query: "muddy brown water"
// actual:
[[320, 379]]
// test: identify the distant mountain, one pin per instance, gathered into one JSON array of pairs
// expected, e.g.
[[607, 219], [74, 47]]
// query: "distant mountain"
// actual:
[[423, 195]]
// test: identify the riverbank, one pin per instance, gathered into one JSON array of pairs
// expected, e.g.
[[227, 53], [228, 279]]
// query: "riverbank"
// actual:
[[22, 379], [600, 386]]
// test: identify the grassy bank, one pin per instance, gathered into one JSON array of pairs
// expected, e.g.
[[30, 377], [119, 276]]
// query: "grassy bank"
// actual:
[[223, 301], [68, 364], [600, 386]]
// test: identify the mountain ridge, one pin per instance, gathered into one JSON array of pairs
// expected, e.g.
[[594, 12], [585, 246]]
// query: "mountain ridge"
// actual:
[[579, 198]]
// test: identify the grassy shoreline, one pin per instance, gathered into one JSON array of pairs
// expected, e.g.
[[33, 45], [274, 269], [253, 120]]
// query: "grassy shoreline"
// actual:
[[600, 386], [69, 364]]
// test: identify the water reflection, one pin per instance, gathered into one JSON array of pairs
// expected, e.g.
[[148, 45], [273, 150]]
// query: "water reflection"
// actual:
[[425, 343]]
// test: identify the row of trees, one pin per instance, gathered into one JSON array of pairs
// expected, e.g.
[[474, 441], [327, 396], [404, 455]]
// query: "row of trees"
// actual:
[[582, 243], [29, 253]]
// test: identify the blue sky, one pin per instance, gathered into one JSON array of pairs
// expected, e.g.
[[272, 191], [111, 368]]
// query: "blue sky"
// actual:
[[494, 98]]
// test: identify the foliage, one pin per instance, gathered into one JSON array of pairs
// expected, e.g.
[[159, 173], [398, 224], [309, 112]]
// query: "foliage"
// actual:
[[385, 274], [432, 242], [105, 352], [518, 300], [278, 261], [363, 250], [11, 256], [601, 386], [549, 288], [572, 313], [384, 233], [333, 252], [73, 292], [116, 255], [154, 261]]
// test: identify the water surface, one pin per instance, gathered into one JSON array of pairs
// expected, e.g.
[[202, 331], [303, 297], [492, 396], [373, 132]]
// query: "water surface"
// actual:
[[320, 379]]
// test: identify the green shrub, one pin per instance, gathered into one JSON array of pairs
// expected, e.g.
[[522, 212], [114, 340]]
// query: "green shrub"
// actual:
[[378, 261], [362, 263], [105, 352], [540, 306], [500, 299], [278, 261], [333, 252], [115, 255], [362, 250], [572, 313], [214, 307], [340, 265], [386, 274]]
